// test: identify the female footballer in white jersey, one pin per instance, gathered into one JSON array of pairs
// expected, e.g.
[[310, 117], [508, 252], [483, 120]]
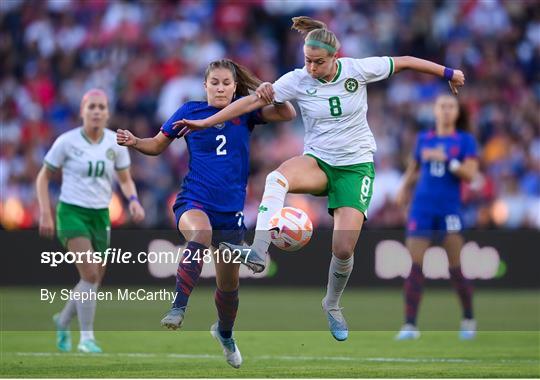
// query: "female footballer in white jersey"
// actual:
[[89, 158], [338, 146]]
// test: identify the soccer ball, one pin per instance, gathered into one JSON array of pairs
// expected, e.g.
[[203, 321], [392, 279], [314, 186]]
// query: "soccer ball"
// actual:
[[290, 229]]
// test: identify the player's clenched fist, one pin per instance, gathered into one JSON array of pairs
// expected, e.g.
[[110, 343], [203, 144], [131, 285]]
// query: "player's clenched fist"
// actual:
[[457, 81], [266, 92], [125, 137]]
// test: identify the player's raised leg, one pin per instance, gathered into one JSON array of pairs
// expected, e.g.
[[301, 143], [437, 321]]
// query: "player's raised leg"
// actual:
[[275, 190], [297, 175], [195, 226], [413, 288], [347, 226], [453, 243]]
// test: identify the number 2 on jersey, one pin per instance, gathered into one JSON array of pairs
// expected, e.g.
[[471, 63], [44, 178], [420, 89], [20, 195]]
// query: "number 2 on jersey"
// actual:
[[335, 106], [219, 150]]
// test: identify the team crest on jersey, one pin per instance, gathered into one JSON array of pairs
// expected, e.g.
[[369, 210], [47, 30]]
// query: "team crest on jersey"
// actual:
[[110, 154], [219, 126], [311, 91], [351, 85]]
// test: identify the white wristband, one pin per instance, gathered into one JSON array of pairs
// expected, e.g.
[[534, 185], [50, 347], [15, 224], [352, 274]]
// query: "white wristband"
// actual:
[[454, 165]]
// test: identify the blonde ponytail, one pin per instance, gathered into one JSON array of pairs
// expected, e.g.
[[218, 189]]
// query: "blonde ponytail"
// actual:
[[316, 33], [305, 24]]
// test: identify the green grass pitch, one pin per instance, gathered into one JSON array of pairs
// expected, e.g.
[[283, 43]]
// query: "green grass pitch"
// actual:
[[294, 341]]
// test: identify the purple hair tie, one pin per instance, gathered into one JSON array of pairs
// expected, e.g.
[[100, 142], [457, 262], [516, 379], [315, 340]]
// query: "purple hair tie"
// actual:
[[448, 73]]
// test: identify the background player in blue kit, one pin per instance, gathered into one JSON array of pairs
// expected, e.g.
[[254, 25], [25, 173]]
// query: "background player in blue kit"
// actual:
[[209, 207], [442, 159]]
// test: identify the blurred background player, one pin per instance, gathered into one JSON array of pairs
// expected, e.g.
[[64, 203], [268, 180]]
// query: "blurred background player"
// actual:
[[443, 158], [89, 158], [338, 146], [209, 208]]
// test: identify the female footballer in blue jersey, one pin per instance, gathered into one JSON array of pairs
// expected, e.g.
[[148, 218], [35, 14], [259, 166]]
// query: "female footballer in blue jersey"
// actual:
[[443, 158], [209, 207]]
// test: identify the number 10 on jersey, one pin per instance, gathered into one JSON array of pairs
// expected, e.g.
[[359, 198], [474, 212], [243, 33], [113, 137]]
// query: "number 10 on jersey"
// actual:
[[96, 169]]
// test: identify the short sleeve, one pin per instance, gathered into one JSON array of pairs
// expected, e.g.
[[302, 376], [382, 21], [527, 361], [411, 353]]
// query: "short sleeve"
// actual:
[[373, 69], [167, 127], [55, 157], [285, 88], [470, 147], [418, 149], [122, 160]]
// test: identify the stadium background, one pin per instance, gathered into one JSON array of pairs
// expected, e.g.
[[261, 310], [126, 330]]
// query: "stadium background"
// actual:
[[150, 55]]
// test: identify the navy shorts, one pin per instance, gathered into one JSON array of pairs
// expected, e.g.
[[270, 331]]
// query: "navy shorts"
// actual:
[[433, 224], [226, 226]]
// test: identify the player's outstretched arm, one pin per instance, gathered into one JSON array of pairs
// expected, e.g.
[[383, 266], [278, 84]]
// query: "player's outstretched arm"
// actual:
[[455, 78], [46, 220], [278, 112], [235, 109], [151, 146], [274, 111]]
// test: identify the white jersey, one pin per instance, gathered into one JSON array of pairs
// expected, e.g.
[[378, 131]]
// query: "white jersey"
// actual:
[[334, 113], [88, 168]]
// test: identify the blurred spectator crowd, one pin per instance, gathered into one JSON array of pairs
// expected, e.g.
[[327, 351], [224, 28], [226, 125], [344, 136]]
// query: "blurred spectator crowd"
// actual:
[[150, 55]]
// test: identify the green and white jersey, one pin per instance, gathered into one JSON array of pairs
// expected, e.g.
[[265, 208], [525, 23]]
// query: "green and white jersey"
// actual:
[[88, 168], [334, 113]]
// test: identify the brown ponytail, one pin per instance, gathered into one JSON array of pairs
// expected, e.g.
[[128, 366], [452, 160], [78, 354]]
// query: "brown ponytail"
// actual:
[[245, 79], [316, 33]]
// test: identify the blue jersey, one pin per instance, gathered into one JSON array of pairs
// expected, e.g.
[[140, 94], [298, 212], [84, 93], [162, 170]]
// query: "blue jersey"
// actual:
[[437, 187], [219, 158]]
